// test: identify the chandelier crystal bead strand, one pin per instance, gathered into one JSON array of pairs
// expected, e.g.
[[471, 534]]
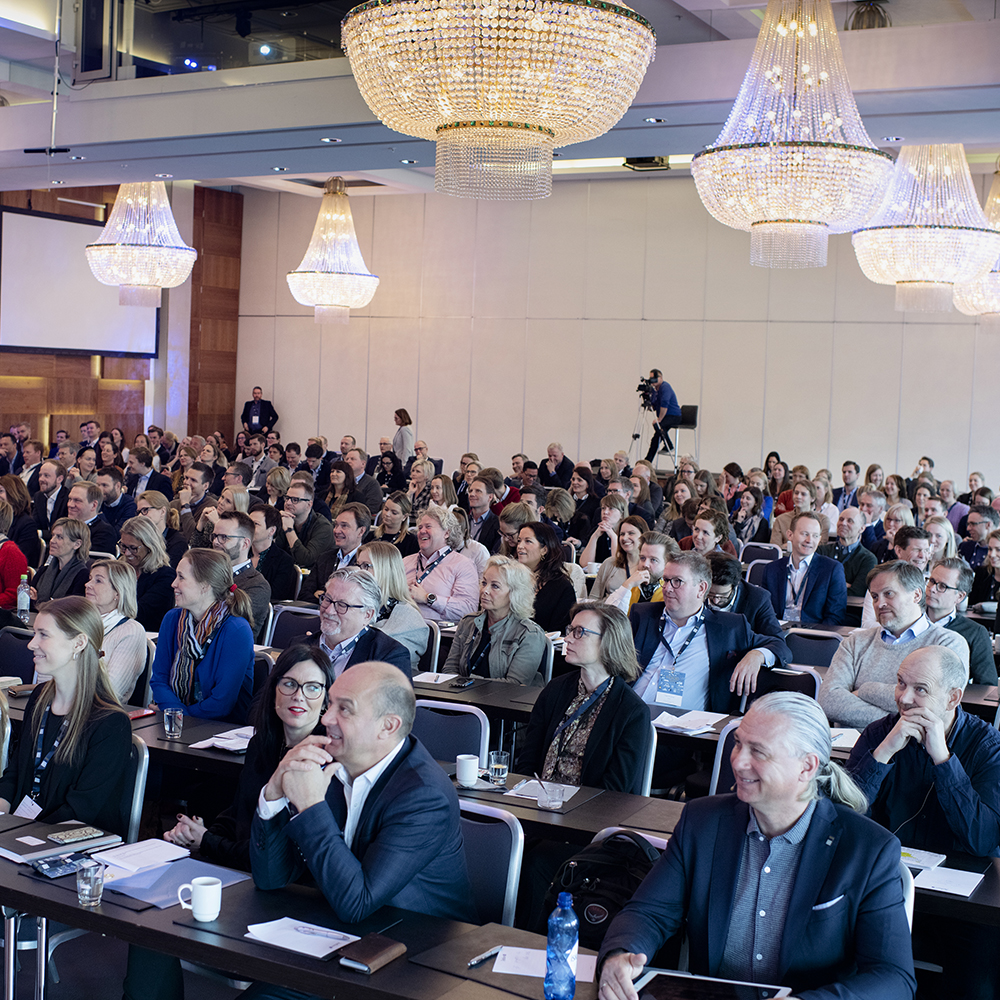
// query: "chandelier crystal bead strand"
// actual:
[[140, 249], [982, 298], [498, 84], [793, 162], [930, 233]]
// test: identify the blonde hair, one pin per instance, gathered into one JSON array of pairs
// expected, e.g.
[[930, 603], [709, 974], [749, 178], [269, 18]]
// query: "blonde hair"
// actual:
[[145, 532], [156, 499], [517, 578], [240, 496], [122, 578], [76, 531], [387, 568]]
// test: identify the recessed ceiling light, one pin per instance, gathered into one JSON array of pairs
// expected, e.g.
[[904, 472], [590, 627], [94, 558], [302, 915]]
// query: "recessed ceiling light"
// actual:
[[654, 121], [78, 157], [58, 182], [409, 161], [279, 170], [892, 138], [162, 176], [329, 138]]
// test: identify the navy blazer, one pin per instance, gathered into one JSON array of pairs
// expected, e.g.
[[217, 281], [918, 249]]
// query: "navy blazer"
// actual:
[[103, 537], [407, 850], [845, 924], [754, 603], [40, 503], [825, 596], [376, 645], [490, 535], [729, 638], [121, 512], [852, 497], [268, 416], [872, 535], [157, 481]]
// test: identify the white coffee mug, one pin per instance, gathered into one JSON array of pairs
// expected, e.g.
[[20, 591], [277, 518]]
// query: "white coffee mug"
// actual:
[[206, 897], [467, 769]]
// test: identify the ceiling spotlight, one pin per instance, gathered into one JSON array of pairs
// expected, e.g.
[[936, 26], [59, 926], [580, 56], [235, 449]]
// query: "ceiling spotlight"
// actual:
[[279, 170], [329, 138], [408, 161], [58, 182], [265, 50], [190, 63], [162, 176], [78, 157], [654, 121], [892, 138]]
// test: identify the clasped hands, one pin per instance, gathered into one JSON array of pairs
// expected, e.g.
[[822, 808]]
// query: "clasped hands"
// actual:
[[915, 724], [302, 777]]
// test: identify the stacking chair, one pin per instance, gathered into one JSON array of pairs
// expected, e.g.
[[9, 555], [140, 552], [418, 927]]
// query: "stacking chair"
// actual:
[[448, 728], [659, 843], [262, 666], [15, 656], [290, 625], [428, 662], [802, 679], [494, 846], [755, 571], [754, 551], [548, 659], [812, 647], [647, 771], [722, 780]]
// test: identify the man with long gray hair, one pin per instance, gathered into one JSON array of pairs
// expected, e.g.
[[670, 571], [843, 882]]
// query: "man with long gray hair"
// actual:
[[784, 882]]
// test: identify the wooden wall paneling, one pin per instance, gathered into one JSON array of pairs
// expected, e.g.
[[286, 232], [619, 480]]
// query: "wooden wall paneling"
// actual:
[[119, 396], [23, 398], [219, 334], [72, 395], [128, 368]]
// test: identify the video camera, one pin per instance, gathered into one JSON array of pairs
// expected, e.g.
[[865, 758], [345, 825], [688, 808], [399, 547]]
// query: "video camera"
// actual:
[[647, 392]]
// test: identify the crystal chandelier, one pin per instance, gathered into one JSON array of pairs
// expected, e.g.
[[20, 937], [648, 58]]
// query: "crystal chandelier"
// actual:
[[332, 276], [930, 233], [793, 162], [140, 249], [982, 298], [497, 83]]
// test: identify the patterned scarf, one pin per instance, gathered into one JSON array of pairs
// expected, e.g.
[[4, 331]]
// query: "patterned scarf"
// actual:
[[193, 640]]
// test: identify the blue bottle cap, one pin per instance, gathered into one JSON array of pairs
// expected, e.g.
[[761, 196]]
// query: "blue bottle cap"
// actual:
[[565, 900]]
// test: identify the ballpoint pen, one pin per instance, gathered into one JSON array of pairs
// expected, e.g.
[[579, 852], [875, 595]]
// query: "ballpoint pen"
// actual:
[[320, 932], [484, 957]]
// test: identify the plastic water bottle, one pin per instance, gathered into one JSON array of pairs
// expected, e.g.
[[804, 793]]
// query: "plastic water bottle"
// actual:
[[23, 598], [561, 950]]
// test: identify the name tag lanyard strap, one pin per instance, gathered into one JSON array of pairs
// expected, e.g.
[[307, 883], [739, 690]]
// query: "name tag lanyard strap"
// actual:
[[427, 572], [583, 708], [42, 763], [687, 642]]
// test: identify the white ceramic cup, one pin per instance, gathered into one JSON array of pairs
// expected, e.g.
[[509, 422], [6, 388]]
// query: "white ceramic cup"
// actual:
[[206, 897], [467, 769]]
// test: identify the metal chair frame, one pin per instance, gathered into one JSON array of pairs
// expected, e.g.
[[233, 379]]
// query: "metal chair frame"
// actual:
[[472, 809], [454, 706]]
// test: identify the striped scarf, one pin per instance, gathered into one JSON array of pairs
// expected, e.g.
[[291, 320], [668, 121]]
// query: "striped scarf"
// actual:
[[193, 640]]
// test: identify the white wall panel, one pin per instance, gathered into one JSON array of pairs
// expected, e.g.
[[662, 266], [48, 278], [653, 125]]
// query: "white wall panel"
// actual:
[[343, 364], [393, 360], [734, 289], [448, 256], [614, 263], [552, 405], [255, 362], [556, 248], [610, 354], [983, 454], [496, 378], [443, 412], [397, 252], [502, 260], [259, 266], [297, 383]]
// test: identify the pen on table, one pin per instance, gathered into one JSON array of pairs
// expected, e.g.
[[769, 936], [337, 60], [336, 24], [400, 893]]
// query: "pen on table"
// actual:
[[484, 957], [320, 932]]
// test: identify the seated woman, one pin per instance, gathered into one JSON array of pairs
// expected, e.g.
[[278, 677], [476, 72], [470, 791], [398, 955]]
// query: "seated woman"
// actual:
[[730, 481], [204, 656], [142, 548], [641, 500], [212, 456], [111, 588], [747, 519], [560, 509], [444, 583], [581, 489], [589, 727], [186, 457], [778, 480], [23, 530], [624, 564], [804, 498], [443, 492], [276, 486], [501, 642], [85, 778], [472, 549], [85, 470], [875, 476], [825, 504], [390, 473], [682, 493], [13, 565], [710, 533], [604, 538], [704, 484], [944, 545], [154, 506], [65, 571], [419, 490], [110, 455], [512, 519], [607, 470], [539, 549], [230, 499], [398, 615], [986, 585], [342, 487], [894, 489], [394, 521]]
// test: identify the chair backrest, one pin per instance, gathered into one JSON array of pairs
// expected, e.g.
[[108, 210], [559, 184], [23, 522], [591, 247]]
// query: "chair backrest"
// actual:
[[755, 571], [812, 647], [909, 891], [299, 577], [494, 846], [290, 625], [141, 694], [722, 780], [428, 661], [802, 679], [42, 549], [265, 632], [548, 659], [689, 418], [660, 843], [579, 580], [262, 666], [138, 766], [448, 728], [647, 773], [15, 656], [757, 551]]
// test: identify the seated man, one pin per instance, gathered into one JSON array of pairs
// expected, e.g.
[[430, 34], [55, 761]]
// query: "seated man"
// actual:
[[911, 545], [831, 915], [806, 587], [646, 471], [308, 535], [692, 656], [382, 829], [349, 532], [981, 520], [84, 503], [556, 469], [118, 506], [366, 488], [444, 583], [194, 497], [484, 526], [730, 592], [276, 565], [655, 551], [859, 687], [871, 503], [233, 535], [849, 552]]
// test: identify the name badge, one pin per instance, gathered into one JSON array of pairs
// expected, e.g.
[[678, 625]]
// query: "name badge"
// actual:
[[670, 687], [255, 418], [28, 808]]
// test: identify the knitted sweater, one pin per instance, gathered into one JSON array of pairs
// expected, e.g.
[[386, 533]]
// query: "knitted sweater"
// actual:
[[860, 684]]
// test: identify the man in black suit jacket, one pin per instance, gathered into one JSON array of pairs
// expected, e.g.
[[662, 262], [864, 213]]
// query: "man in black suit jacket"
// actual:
[[318, 467], [268, 558], [84, 503], [948, 585], [484, 525], [346, 611], [258, 416], [850, 553], [141, 476], [729, 592], [847, 495], [366, 488], [32, 452], [557, 469], [398, 843], [49, 501], [694, 657], [118, 506]]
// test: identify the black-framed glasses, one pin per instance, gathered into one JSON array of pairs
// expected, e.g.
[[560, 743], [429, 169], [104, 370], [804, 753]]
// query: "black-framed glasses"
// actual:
[[720, 600], [132, 550], [224, 538], [311, 689], [674, 582], [578, 632], [341, 607], [940, 587], [144, 511], [289, 499]]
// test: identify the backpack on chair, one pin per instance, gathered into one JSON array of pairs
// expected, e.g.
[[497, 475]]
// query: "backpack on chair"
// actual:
[[602, 877]]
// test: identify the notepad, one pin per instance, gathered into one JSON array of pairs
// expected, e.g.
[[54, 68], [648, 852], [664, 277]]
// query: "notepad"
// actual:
[[531, 962], [145, 854], [299, 936], [844, 739], [428, 678], [530, 789], [691, 723], [913, 858], [950, 880]]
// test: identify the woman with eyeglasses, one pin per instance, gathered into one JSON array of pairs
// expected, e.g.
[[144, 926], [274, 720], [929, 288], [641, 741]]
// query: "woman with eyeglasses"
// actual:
[[155, 507], [204, 656], [230, 499], [398, 616], [65, 571], [894, 518], [986, 585], [512, 519], [141, 546], [500, 641]]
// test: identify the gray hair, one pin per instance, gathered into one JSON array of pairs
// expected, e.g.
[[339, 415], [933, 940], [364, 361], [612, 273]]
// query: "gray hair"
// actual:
[[449, 524], [907, 575], [518, 580], [807, 730], [954, 673], [701, 570], [878, 497], [371, 593]]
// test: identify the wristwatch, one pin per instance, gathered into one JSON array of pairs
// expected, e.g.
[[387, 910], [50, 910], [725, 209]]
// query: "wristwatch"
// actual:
[[431, 598]]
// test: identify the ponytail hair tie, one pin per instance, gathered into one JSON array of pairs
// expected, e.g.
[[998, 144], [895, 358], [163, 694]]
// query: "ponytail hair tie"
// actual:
[[233, 589]]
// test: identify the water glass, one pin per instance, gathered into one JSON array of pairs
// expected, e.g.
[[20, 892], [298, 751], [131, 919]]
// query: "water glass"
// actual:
[[499, 765], [550, 796], [90, 883], [173, 723]]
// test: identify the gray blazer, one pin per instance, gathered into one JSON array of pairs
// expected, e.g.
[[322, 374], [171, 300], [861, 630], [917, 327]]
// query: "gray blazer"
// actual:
[[407, 626], [516, 649]]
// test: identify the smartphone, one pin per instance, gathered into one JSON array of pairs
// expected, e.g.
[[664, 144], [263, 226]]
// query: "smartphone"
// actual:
[[463, 683]]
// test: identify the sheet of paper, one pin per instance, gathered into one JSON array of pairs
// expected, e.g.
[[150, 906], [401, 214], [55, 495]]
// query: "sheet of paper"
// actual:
[[913, 858], [31, 841], [428, 678], [691, 723], [298, 936], [531, 790], [844, 739], [951, 880], [531, 962], [235, 740], [145, 854]]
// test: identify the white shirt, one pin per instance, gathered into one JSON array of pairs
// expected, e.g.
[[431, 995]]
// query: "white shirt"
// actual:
[[355, 793], [795, 589]]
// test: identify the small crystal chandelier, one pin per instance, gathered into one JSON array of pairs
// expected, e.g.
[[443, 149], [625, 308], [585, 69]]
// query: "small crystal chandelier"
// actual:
[[793, 162], [498, 83], [930, 233], [332, 276], [140, 249], [982, 298]]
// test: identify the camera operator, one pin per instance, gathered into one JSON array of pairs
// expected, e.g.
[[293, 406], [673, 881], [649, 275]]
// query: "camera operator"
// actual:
[[667, 410]]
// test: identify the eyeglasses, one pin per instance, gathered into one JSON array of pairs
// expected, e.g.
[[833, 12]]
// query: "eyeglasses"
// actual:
[[578, 632], [224, 538], [132, 550], [973, 524], [366, 566], [291, 687], [720, 600], [143, 510], [289, 499], [674, 582], [939, 587], [341, 607]]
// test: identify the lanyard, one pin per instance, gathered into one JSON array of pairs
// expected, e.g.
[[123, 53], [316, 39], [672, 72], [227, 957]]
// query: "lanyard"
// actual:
[[583, 708], [687, 642], [485, 641], [40, 763], [430, 569], [802, 583]]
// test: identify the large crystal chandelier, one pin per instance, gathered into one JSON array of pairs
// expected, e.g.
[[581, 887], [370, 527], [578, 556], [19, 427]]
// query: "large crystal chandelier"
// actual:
[[140, 249], [793, 162], [332, 276], [498, 83], [930, 233], [982, 298]]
